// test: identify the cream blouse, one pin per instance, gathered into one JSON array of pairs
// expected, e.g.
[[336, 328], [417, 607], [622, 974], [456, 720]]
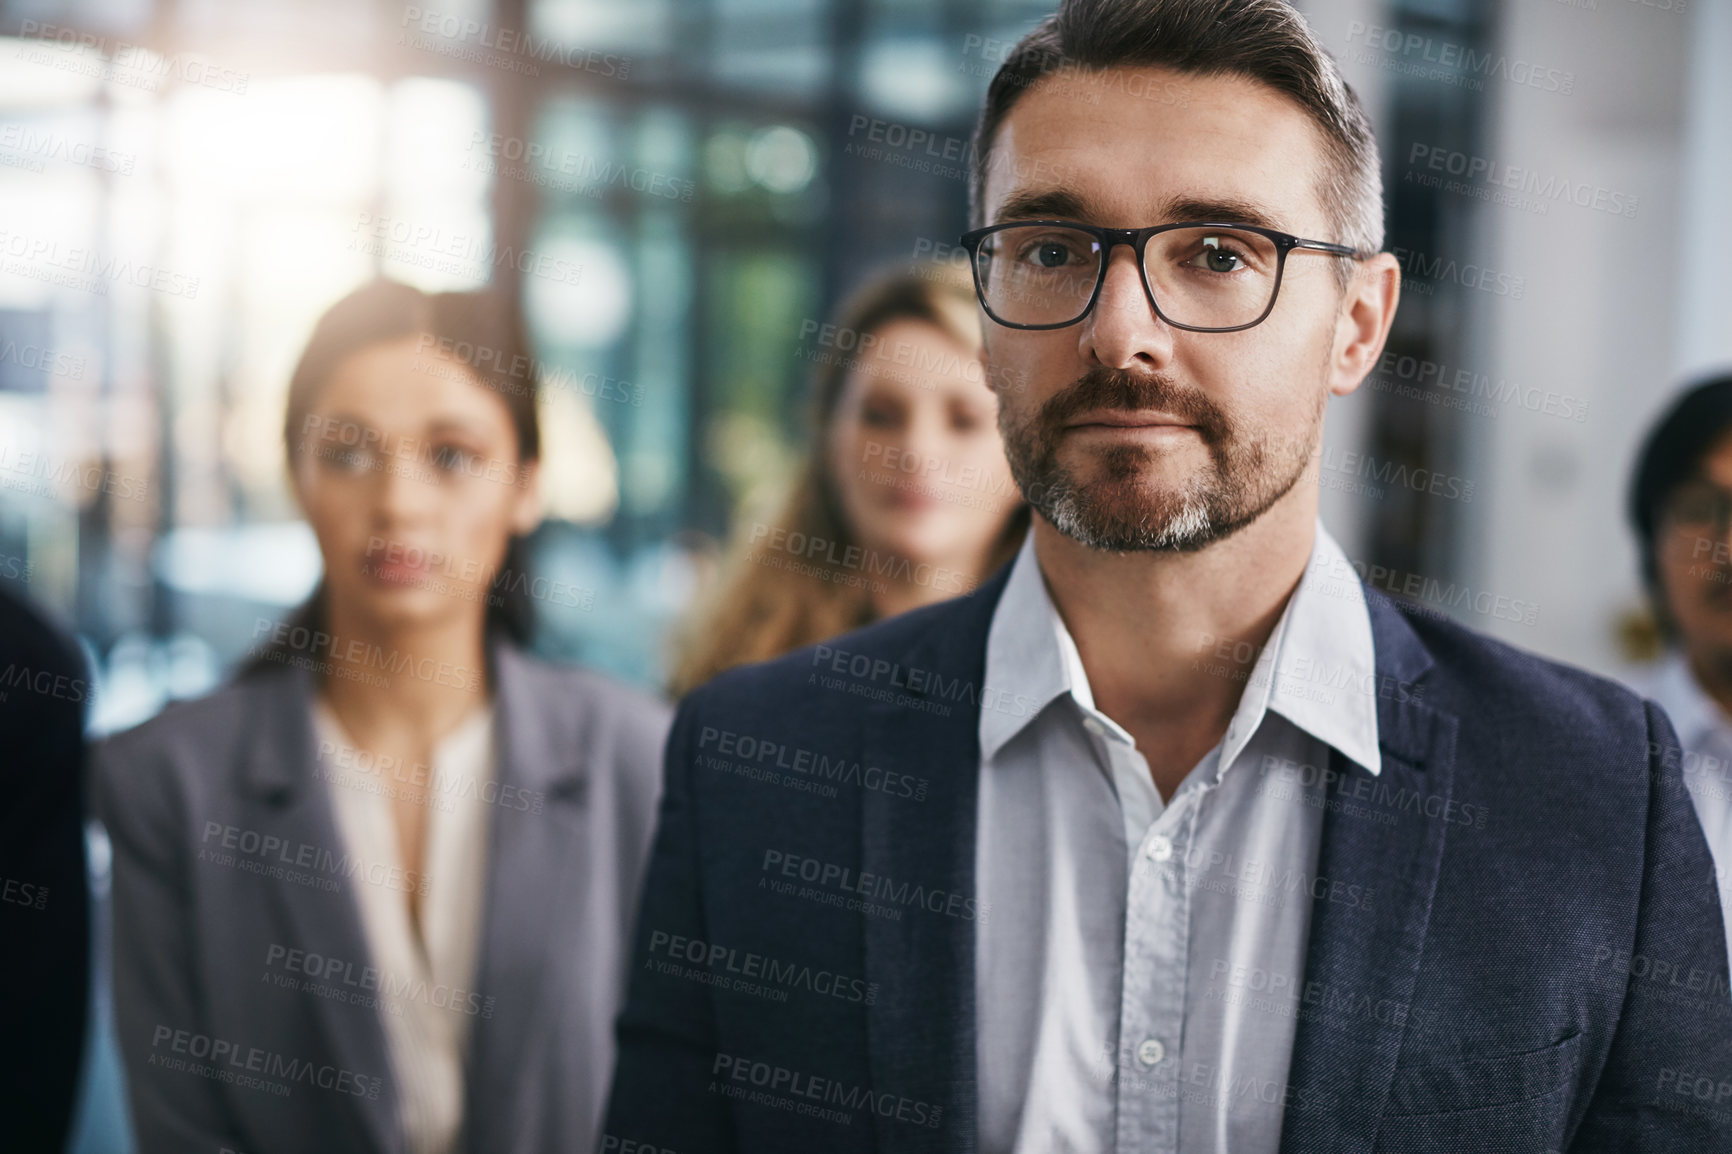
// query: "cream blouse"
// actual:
[[426, 995]]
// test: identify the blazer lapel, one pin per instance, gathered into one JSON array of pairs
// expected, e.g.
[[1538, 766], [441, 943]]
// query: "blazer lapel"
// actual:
[[524, 850], [288, 802], [1360, 968], [920, 1032]]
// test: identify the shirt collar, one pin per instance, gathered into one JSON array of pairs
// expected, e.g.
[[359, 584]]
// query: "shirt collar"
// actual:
[[1025, 658], [1325, 670], [1694, 715], [1318, 669]]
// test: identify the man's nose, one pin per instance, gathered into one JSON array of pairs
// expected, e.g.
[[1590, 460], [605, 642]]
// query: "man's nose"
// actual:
[[1122, 331]]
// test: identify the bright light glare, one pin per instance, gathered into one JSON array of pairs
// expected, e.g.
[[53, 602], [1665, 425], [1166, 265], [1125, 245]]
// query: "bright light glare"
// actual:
[[303, 139], [782, 159]]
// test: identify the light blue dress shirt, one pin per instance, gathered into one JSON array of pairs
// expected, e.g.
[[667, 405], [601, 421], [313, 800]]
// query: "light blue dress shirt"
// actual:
[[1139, 983], [1705, 732]]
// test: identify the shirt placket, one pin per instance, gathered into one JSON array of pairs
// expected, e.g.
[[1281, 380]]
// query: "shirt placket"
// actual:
[[1152, 984]]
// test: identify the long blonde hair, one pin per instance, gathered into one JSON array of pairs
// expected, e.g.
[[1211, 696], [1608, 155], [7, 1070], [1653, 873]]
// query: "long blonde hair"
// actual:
[[775, 599]]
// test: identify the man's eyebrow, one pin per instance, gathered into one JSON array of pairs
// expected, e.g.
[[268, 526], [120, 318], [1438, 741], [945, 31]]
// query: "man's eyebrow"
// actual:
[[1235, 211], [1042, 203], [1049, 203]]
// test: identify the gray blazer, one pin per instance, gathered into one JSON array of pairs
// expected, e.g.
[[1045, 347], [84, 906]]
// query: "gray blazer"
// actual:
[[227, 858]]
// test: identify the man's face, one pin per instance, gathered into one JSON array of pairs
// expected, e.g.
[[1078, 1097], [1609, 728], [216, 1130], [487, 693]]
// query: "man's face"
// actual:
[[1694, 553], [1130, 434]]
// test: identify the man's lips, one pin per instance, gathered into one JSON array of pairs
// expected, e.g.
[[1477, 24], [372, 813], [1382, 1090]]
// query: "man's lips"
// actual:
[[1122, 419]]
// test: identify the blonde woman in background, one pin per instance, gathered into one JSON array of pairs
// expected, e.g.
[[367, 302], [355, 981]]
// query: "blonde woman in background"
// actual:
[[904, 497]]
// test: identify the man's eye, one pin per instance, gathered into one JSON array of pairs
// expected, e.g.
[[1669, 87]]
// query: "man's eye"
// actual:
[[1217, 256], [1699, 506], [1048, 253]]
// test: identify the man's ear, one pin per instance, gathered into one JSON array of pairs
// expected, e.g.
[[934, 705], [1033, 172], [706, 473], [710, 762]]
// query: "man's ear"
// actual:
[[527, 508], [1362, 325]]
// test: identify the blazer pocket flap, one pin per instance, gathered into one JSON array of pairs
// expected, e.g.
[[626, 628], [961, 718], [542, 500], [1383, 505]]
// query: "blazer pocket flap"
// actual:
[[1489, 1081]]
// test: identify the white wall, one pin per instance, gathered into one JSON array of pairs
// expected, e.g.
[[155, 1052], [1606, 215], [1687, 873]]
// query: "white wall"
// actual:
[[1600, 318], [1617, 310], [1704, 337]]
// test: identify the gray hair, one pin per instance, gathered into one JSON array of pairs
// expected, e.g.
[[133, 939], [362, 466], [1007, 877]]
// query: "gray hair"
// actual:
[[1262, 40]]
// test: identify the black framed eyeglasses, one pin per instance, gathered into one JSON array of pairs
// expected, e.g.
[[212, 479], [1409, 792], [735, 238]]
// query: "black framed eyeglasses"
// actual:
[[1699, 506], [1206, 276]]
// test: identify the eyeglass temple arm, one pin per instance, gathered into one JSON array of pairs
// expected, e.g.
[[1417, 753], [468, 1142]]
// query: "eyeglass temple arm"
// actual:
[[1337, 249]]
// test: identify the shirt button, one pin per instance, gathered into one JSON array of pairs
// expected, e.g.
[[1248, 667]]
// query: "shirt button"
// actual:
[[1160, 849], [1151, 1052], [1094, 727]]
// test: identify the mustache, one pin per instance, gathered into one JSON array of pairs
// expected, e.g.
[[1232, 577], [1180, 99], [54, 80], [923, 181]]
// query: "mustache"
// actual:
[[1104, 388]]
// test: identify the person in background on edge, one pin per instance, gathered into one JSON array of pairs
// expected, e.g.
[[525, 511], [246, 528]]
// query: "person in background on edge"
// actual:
[[374, 893], [1214, 849], [1681, 508], [904, 497], [44, 900]]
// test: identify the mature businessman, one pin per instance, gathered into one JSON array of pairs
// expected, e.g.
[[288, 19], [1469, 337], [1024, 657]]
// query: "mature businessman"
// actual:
[[1173, 836]]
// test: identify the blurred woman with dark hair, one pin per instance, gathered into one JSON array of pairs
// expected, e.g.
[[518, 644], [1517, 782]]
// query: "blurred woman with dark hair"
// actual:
[[375, 893], [904, 497], [1681, 508]]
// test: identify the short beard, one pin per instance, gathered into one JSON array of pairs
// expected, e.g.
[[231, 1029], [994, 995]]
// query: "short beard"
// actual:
[[1117, 512]]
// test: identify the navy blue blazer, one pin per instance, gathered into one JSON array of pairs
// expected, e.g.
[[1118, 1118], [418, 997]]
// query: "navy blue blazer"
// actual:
[[1544, 969]]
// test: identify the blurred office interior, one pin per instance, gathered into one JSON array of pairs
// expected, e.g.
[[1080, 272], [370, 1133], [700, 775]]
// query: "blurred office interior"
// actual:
[[678, 190]]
